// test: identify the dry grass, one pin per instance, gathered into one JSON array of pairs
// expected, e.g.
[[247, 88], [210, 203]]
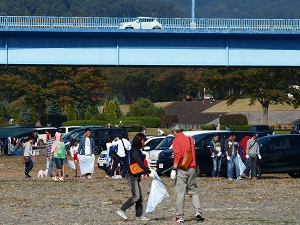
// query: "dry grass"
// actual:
[[242, 105]]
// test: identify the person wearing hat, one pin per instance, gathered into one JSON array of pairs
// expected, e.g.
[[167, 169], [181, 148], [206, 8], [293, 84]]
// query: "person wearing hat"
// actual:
[[216, 153], [252, 153]]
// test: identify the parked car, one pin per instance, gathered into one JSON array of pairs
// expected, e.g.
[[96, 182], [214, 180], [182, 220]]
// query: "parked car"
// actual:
[[150, 144], [280, 154], [67, 129], [262, 128], [142, 23], [203, 159], [296, 129]]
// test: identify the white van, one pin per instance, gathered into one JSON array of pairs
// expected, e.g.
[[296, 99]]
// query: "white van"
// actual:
[[42, 133], [67, 129]]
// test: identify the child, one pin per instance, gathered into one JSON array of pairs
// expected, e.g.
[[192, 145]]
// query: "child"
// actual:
[[74, 153], [144, 175]]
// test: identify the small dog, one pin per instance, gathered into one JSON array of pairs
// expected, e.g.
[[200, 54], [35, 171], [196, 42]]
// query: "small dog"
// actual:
[[43, 173]]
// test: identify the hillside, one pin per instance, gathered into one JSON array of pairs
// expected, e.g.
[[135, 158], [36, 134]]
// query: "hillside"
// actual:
[[157, 8]]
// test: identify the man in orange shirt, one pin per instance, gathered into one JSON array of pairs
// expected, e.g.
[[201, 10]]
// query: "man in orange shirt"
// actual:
[[185, 180]]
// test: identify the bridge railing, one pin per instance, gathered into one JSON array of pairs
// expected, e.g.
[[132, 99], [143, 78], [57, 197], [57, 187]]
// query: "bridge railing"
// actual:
[[200, 24]]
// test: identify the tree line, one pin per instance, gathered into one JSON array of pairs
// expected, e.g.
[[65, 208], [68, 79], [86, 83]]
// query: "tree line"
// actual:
[[157, 8]]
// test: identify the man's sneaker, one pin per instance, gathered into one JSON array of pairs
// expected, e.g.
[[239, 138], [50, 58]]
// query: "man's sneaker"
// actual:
[[178, 219], [54, 178], [142, 218], [26, 175], [229, 178], [61, 178], [199, 215], [89, 177], [239, 178], [122, 213]]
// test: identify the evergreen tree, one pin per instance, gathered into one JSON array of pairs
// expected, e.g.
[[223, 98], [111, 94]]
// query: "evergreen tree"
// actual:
[[118, 109], [81, 108], [25, 116], [54, 109]]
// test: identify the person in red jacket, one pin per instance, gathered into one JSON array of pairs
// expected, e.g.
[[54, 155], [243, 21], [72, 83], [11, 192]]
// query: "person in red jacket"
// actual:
[[185, 180]]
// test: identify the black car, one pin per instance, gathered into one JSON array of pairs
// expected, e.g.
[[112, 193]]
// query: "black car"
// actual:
[[204, 162], [262, 128], [296, 129], [280, 154]]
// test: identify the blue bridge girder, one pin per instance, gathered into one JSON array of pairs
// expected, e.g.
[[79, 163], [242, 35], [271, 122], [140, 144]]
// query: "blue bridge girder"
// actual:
[[145, 41]]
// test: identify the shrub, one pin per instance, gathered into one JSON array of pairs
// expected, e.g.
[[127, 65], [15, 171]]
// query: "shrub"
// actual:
[[232, 127], [151, 122], [233, 119]]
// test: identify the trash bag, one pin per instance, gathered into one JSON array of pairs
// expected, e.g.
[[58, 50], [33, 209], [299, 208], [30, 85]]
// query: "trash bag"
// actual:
[[158, 192], [72, 164], [242, 166], [86, 164]]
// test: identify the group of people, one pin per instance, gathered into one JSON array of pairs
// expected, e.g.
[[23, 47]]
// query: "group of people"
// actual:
[[247, 151], [56, 152], [127, 153]]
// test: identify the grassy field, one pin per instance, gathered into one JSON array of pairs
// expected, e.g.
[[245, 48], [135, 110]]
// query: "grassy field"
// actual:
[[242, 105]]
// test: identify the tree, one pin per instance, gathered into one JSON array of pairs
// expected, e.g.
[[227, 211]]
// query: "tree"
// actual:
[[267, 86], [144, 107], [25, 116], [54, 109], [40, 86]]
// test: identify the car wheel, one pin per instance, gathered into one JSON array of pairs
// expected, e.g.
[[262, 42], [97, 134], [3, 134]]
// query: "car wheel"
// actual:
[[128, 27], [156, 27], [294, 174]]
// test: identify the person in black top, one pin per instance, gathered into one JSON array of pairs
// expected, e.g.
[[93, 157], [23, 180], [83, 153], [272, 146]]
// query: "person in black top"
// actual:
[[135, 155]]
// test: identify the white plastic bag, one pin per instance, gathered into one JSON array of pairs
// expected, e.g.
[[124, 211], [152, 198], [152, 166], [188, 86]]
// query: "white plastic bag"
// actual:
[[242, 166], [86, 163], [72, 164], [158, 192]]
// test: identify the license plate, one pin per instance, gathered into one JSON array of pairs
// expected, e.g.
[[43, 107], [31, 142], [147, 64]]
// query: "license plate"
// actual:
[[160, 166]]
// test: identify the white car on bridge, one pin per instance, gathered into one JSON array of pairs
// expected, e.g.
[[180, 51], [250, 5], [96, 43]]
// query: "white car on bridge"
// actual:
[[142, 23]]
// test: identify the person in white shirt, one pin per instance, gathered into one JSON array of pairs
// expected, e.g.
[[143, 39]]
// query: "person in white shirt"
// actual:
[[121, 154], [74, 153]]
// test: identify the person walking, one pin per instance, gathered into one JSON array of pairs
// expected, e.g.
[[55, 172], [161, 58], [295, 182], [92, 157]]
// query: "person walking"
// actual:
[[134, 180], [58, 152], [252, 153], [28, 152], [123, 147], [216, 155], [231, 150], [87, 148], [185, 180], [49, 144]]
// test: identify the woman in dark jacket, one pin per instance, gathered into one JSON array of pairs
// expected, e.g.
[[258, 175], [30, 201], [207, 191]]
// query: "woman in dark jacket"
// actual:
[[136, 155]]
